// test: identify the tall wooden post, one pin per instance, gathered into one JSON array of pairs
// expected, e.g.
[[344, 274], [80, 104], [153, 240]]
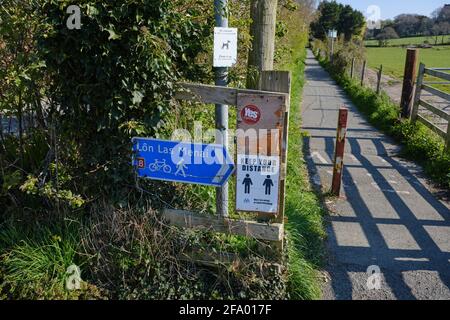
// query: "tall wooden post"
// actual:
[[264, 15], [221, 115], [447, 138], [339, 152], [332, 49], [412, 56], [280, 81], [416, 104], [352, 70], [380, 74], [363, 72]]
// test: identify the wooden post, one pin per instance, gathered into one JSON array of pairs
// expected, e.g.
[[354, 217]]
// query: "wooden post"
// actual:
[[363, 72], [352, 70], [415, 110], [408, 82], [380, 74], [447, 139], [263, 14], [332, 50], [280, 81], [339, 152]]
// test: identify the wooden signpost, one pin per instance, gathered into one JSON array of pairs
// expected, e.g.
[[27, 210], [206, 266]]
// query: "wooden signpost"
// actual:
[[267, 113]]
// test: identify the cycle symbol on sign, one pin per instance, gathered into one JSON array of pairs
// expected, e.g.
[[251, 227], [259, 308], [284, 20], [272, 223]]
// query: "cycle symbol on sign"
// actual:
[[159, 165]]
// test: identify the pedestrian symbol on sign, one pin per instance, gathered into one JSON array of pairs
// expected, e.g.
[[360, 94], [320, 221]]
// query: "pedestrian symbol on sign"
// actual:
[[247, 182], [268, 183], [180, 168]]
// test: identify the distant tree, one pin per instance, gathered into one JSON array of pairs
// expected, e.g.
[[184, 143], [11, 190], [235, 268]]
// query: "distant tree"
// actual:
[[445, 30], [442, 14], [407, 25], [387, 34], [351, 22], [425, 26], [332, 15], [436, 32], [329, 12]]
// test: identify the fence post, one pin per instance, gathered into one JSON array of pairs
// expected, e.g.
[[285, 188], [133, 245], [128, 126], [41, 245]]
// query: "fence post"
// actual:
[[352, 70], [380, 74], [339, 152], [408, 82], [415, 109], [363, 73], [447, 139]]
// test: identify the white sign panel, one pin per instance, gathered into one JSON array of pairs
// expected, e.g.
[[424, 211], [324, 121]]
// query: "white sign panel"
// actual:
[[332, 34], [225, 47], [258, 178]]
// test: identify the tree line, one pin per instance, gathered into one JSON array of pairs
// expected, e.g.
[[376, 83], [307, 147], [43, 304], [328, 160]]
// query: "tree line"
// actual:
[[409, 25], [343, 18]]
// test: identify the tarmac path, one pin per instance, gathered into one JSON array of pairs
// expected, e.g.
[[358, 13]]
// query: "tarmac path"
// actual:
[[388, 217]]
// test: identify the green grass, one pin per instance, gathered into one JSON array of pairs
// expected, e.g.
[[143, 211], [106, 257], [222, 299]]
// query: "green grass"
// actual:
[[410, 41], [393, 59], [303, 206], [35, 259]]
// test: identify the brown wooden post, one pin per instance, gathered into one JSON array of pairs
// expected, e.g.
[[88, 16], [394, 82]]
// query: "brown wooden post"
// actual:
[[380, 74], [264, 15], [339, 152], [412, 56], [447, 139], [352, 70], [415, 109], [280, 81], [363, 72]]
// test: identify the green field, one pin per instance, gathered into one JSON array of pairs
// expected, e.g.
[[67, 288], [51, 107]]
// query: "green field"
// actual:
[[410, 41], [393, 59]]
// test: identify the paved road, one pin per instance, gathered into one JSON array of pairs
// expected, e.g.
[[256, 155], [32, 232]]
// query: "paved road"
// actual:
[[389, 216]]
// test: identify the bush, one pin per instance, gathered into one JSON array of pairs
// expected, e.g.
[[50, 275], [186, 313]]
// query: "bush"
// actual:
[[90, 90]]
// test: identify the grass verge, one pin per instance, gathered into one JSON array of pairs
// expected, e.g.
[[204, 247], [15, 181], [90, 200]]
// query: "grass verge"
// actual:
[[419, 143], [304, 210]]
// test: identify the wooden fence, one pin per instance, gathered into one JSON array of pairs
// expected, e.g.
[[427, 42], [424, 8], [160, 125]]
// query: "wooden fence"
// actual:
[[419, 102]]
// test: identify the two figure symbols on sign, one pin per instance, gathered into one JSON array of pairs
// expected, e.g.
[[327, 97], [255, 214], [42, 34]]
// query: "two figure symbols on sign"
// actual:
[[268, 184]]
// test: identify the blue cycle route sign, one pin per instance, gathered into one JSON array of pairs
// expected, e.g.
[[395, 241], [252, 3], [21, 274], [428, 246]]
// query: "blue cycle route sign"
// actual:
[[186, 162]]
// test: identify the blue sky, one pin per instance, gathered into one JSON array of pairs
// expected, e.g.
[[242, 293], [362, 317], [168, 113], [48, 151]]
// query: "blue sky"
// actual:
[[392, 8]]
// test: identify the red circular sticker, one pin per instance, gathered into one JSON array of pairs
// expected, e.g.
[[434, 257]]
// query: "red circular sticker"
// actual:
[[251, 114]]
